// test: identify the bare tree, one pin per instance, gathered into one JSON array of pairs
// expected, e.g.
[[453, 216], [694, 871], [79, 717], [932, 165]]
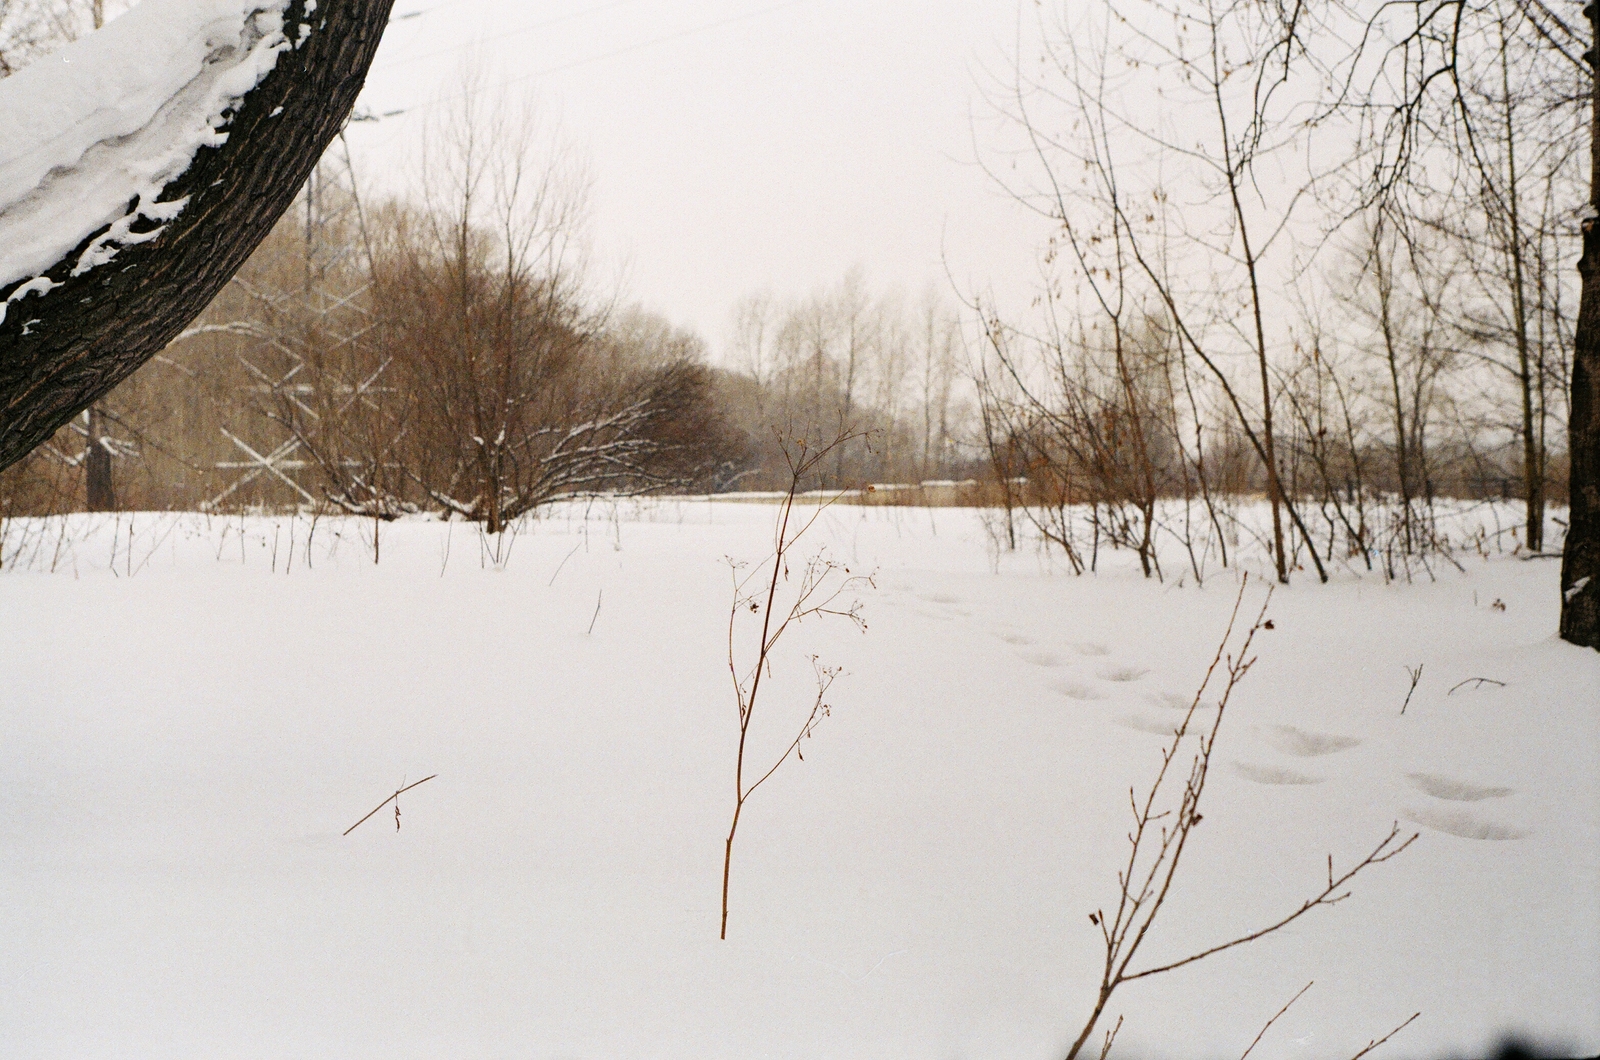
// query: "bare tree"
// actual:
[[1515, 162], [937, 365], [496, 340], [754, 343], [1417, 81], [1398, 291], [1238, 74], [1580, 564], [1086, 408]]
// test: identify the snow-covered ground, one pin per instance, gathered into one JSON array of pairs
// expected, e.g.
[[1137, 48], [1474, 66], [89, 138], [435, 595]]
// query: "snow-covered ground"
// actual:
[[188, 726]]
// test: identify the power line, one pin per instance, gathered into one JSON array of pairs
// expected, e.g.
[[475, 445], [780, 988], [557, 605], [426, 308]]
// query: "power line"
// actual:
[[430, 9], [628, 49], [572, 16]]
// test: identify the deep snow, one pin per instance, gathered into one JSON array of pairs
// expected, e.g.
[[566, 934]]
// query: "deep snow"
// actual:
[[182, 747]]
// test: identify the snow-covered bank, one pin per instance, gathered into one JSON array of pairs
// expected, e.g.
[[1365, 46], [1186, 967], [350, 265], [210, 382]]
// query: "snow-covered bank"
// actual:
[[185, 740]]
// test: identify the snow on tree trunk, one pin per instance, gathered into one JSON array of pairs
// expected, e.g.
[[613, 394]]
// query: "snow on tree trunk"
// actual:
[[139, 167]]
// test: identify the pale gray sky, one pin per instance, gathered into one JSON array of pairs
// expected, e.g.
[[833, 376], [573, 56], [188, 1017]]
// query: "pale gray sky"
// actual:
[[740, 144]]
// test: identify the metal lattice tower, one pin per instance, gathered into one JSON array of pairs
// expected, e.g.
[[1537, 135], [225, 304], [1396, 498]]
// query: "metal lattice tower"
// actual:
[[311, 327]]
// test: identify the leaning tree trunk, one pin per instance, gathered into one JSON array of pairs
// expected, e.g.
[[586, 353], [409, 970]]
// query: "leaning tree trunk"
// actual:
[[73, 345], [1580, 561]]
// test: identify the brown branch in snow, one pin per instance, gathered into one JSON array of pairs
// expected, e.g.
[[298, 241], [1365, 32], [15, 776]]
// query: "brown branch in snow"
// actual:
[[386, 802], [1374, 1044], [1329, 896], [1274, 1019], [1476, 682], [1162, 830], [1416, 675]]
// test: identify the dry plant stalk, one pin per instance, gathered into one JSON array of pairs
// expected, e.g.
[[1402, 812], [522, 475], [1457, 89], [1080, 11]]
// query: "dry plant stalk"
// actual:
[[392, 798], [820, 590], [1416, 676], [1161, 833]]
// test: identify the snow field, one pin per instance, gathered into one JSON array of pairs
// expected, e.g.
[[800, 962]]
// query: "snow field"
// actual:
[[183, 747]]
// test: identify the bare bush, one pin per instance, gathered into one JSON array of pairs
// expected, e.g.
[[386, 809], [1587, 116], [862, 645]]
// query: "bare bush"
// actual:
[[784, 594], [1164, 820]]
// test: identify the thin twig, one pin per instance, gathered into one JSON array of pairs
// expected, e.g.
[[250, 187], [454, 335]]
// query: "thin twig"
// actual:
[[564, 559], [1380, 854], [1111, 1037], [1416, 675], [596, 616], [1274, 1019], [1480, 682], [1374, 1044], [386, 802]]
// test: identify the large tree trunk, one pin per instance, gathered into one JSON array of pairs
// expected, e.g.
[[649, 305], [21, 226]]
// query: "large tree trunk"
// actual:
[[1580, 563], [72, 346]]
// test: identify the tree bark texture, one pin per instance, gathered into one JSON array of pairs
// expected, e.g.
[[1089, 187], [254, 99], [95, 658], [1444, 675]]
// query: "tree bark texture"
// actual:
[[1580, 562], [1580, 556], [72, 346]]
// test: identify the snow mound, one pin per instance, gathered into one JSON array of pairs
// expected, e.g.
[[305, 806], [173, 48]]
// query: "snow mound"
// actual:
[[90, 135]]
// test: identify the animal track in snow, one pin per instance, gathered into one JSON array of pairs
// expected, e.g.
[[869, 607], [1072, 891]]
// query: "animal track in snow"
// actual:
[[1271, 775], [1091, 649], [939, 598], [1454, 790], [1463, 823], [1156, 726], [1076, 690], [1173, 701], [1121, 673], [1302, 744], [946, 602], [1019, 640], [1041, 658]]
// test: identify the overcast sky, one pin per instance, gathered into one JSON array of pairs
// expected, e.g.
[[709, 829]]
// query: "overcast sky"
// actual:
[[741, 144]]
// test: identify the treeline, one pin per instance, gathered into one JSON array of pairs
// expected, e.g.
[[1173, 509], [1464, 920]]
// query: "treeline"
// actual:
[[1222, 319], [1320, 254], [451, 353]]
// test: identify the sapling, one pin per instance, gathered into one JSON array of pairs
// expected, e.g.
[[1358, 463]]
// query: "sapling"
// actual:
[[784, 597], [1161, 832]]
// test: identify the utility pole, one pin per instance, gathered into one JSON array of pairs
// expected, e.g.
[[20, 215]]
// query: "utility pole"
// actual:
[[1580, 561]]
